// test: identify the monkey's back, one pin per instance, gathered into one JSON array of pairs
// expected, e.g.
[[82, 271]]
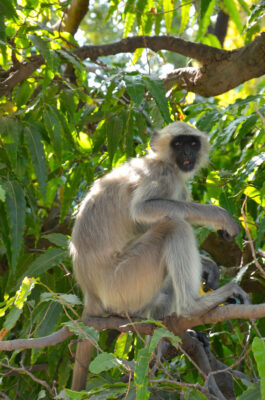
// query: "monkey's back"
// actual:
[[103, 225]]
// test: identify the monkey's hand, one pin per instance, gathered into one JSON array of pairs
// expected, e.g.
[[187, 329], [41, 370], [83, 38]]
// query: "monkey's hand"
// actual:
[[225, 225], [210, 274], [238, 293]]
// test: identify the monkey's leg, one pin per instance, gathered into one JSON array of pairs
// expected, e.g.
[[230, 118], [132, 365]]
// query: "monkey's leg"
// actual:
[[84, 347], [138, 272], [184, 266], [130, 284]]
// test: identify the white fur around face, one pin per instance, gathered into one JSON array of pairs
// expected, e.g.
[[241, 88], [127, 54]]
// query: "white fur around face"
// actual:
[[160, 144]]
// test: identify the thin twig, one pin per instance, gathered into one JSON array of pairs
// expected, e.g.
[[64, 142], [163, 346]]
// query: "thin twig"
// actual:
[[23, 370], [250, 239]]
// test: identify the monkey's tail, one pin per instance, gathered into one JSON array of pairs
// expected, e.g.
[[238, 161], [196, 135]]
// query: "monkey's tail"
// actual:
[[82, 359]]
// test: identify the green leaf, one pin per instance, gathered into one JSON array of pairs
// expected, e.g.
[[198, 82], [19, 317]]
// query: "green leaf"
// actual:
[[245, 6], [253, 164], [157, 89], [49, 259], [114, 128], [141, 374], [135, 88], [41, 45], [83, 331], [252, 393], [257, 13], [58, 238], [11, 132], [260, 233], [7, 9], [233, 13], [53, 127], [70, 189], [208, 120], [258, 347], [158, 18], [66, 127], [23, 93], [113, 7], [185, 14], [71, 299], [103, 362], [159, 334], [11, 318], [137, 55], [246, 127], [123, 345], [2, 193], [129, 20], [207, 7], [70, 57], [168, 14], [99, 137], [50, 321], [16, 207], [24, 291], [147, 24], [5, 236], [211, 40], [99, 391], [229, 203], [37, 154]]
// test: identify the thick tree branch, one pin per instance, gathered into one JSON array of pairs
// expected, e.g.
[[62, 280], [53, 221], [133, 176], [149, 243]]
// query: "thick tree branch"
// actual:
[[220, 76], [221, 70], [177, 325], [197, 51], [76, 12]]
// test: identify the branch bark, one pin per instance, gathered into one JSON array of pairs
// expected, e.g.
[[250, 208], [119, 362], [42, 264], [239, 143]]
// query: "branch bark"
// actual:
[[75, 14], [177, 325], [221, 70]]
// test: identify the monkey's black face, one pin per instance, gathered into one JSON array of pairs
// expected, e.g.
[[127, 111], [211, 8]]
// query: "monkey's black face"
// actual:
[[186, 149]]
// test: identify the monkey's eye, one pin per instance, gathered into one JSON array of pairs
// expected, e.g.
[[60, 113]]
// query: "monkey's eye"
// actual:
[[193, 143], [177, 144]]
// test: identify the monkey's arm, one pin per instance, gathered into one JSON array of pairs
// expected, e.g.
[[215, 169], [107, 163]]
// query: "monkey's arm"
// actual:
[[152, 209]]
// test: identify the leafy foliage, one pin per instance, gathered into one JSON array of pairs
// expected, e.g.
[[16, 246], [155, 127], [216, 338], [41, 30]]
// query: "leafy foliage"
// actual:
[[69, 123]]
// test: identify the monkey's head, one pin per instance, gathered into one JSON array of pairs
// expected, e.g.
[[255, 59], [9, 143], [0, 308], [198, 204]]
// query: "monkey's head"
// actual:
[[182, 145]]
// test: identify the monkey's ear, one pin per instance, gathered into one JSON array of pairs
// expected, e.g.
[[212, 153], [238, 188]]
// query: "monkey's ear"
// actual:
[[154, 137]]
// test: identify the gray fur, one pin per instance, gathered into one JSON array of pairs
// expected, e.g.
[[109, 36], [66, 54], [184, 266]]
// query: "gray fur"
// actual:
[[133, 246]]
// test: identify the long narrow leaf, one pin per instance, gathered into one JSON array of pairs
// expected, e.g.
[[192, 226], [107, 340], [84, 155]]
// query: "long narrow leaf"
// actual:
[[258, 348], [185, 14], [16, 206], [156, 88], [36, 151], [52, 125], [47, 260], [207, 7], [11, 130], [135, 87], [233, 13], [114, 127], [168, 14]]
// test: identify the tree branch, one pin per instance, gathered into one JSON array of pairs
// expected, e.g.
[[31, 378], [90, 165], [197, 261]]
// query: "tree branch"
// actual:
[[75, 14], [197, 51], [225, 74], [177, 325], [221, 70]]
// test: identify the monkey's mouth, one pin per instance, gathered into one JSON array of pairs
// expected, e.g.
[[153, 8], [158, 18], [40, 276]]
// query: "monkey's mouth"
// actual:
[[186, 165]]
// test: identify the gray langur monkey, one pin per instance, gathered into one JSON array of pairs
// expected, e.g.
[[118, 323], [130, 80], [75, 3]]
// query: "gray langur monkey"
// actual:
[[133, 246]]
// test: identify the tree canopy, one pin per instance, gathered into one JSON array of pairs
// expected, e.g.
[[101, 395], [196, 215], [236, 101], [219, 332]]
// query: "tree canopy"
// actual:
[[82, 86]]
